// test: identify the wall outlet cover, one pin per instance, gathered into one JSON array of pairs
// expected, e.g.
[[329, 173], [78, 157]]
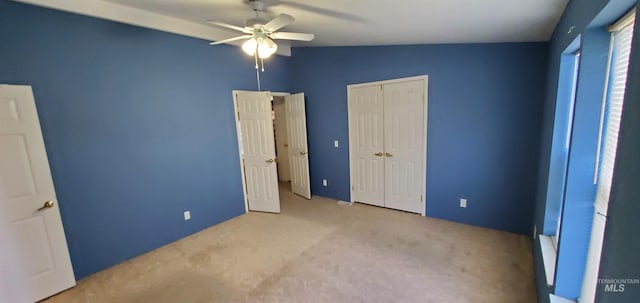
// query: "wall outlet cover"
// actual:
[[324, 182], [187, 215], [336, 143], [463, 203]]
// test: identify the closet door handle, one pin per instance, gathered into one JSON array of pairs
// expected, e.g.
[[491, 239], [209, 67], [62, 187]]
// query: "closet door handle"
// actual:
[[388, 154], [379, 154]]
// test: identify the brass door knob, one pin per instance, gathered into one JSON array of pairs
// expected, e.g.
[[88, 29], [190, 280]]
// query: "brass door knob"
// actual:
[[271, 160], [388, 154], [303, 153], [379, 154], [47, 204]]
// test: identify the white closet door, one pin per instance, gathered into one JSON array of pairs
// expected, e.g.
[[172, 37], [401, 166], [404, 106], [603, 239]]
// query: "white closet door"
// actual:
[[25, 179], [366, 142], [298, 150], [258, 151], [404, 136]]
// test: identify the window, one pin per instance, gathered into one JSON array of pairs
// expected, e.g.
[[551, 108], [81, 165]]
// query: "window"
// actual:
[[620, 49], [612, 108]]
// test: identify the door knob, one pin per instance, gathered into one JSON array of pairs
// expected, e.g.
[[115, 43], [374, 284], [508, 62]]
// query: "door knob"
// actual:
[[47, 204], [271, 160], [303, 153], [379, 154], [388, 154]]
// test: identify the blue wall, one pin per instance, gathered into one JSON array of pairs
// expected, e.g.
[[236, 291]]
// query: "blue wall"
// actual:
[[485, 107], [578, 16], [138, 126]]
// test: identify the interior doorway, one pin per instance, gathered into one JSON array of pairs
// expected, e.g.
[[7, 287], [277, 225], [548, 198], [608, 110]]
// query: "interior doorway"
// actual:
[[272, 144], [281, 138]]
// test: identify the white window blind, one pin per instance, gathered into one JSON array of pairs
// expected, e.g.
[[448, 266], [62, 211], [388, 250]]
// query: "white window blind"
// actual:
[[622, 36], [613, 101]]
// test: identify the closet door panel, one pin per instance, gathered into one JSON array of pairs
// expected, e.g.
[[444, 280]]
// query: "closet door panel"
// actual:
[[366, 127], [404, 136]]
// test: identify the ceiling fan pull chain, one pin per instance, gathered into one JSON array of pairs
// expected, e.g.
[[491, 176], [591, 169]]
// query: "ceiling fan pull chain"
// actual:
[[255, 56], [258, 78]]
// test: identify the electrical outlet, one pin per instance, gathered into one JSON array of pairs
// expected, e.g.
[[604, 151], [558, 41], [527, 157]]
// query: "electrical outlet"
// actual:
[[324, 182], [187, 215], [463, 203], [335, 143]]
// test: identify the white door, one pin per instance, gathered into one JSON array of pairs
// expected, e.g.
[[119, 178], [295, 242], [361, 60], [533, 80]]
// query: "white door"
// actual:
[[258, 151], [282, 141], [298, 150], [404, 135], [30, 198], [366, 143]]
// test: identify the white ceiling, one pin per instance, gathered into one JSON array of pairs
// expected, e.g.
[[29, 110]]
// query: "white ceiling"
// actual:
[[346, 22]]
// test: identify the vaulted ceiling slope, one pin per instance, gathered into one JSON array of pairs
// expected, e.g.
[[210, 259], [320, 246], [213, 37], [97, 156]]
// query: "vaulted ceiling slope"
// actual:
[[343, 23]]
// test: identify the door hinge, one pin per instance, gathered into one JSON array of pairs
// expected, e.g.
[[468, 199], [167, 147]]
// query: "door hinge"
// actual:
[[238, 116], [421, 198]]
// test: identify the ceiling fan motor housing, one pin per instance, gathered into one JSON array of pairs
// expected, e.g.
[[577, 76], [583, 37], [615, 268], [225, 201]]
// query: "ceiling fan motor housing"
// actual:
[[255, 22]]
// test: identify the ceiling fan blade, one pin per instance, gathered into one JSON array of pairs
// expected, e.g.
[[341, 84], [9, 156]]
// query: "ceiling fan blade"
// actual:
[[229, 26], [231, 39], [278, 22], [292, 36]]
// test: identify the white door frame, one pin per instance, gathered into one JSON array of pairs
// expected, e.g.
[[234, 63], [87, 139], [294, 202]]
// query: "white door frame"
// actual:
[[425, 78], [238, 137]]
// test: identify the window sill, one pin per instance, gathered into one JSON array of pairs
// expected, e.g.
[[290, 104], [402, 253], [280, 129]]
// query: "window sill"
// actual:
[[548, 257], [555, 299]]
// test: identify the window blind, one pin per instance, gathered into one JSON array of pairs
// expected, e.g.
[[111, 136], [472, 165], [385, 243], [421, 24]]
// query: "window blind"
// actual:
[[621, 49], [612, 101]]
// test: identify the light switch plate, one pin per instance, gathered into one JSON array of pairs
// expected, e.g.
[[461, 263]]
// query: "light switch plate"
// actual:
[[463, 203], [335, 143], [187, 215], [324, 182]]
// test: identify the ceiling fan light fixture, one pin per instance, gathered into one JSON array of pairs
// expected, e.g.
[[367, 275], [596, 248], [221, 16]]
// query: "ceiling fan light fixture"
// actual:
[[266, 48], [250, 46]]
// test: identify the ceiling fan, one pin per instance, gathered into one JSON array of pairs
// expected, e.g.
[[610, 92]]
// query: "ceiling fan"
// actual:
[[260, 33]]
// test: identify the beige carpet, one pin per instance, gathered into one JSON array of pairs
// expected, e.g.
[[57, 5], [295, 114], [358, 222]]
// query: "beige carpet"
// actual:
[[318, 251]]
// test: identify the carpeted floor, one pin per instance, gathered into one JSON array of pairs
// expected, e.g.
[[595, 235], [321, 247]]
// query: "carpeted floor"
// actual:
[[318, 251]]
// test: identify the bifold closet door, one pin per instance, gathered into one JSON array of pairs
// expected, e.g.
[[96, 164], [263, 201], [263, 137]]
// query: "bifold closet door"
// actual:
[[366, 125], [404, 135]]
